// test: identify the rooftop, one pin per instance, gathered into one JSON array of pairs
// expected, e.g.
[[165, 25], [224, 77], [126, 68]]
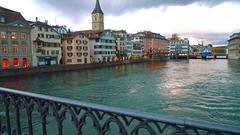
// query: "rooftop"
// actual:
[[10, 15], [97, 8]]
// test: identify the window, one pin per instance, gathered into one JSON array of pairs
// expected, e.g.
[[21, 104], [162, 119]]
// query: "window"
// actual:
[[15, 49], [23, 36], [13, 35], [85, 48], [3, 35], [78, 41], [69, 54], [2, 19], [79, 54], [79, 60], [24, 50], [69, 60], [69, 48], [4, 49], [57, 52], [5, 63], [15, 62], [25, 62], [41, 35], [43, 52], [53, 52], [85, 54], [57, 36], [69, 41], [81, 35], [79, 48], [85, 42]]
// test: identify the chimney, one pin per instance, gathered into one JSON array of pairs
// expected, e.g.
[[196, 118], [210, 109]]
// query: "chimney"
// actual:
[[46, 21], [36, 19]]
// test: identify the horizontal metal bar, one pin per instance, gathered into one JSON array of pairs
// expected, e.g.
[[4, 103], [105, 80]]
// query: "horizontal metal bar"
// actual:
[[130, 113]]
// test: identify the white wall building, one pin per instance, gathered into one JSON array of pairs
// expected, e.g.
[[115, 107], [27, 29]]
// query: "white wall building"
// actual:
[[179, 48], [138, 45], [103, 46], [46, 42]]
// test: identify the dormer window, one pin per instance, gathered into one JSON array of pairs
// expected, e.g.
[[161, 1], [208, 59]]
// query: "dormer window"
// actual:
[[2, 19], [81, 35]]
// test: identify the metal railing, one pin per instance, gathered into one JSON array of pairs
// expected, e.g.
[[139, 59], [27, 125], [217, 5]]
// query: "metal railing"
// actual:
[[103, 119]]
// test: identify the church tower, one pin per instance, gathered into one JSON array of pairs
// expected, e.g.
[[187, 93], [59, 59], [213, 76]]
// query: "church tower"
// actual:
[[97, 18]]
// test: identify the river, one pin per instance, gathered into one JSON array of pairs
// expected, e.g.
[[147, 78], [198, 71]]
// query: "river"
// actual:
[[195, 89]]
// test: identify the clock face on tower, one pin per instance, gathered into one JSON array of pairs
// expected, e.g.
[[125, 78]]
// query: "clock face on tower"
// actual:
[[97, 17]]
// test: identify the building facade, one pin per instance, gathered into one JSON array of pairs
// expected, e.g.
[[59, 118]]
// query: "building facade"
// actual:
[[123, 44], [138, 45], [155, 44], [103, 46], [179, 48], [46, 49], [128, 45], [234, 46], [15, 41], [75, 49]]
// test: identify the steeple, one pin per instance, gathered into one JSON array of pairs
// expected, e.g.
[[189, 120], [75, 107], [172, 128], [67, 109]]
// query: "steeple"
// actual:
[[97, 8], [97, 18]]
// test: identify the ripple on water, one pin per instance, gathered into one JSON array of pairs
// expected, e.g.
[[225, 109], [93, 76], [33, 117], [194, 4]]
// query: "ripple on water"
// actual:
[[206, 90]]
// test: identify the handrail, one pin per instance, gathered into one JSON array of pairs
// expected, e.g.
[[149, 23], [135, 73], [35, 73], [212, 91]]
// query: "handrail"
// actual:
[[181, 124]]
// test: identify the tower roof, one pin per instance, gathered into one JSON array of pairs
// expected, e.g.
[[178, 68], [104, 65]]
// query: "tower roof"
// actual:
[[97, 8]]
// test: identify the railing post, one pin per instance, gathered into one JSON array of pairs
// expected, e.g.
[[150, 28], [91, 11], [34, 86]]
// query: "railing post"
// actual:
[[44, 126], [29, 108], [43, 110], [17, 105], [0, 124], [6, 104]]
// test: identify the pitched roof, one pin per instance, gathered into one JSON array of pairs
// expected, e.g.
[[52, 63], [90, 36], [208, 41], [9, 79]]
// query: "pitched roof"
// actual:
[[38, 23], [10, 15], [90, 34], [97, 8]]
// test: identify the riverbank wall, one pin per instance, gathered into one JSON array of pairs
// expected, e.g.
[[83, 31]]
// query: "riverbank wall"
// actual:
[[60, 68]]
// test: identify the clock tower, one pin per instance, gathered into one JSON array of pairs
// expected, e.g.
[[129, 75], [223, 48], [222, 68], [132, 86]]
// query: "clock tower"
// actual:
[[97, 18]]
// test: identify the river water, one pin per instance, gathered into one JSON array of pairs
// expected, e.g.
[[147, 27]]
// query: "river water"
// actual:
[[195, 89]]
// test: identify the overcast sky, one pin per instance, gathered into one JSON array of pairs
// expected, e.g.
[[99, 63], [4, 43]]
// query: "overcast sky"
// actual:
[[210, 21]]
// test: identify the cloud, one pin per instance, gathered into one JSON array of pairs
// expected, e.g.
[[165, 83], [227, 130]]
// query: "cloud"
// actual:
[[76, 9], [209, 38]]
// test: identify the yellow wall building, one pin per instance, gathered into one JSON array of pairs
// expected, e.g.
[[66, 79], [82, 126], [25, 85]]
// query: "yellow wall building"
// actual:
[[76, 49]]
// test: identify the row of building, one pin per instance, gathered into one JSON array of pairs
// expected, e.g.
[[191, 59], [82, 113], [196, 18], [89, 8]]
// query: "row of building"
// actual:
[[34, 43]]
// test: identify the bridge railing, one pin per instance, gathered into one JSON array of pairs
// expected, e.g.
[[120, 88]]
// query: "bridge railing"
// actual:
[[20, 111]]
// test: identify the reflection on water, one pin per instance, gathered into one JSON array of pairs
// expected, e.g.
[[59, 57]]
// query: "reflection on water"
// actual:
[[198, 89], [155, 65]]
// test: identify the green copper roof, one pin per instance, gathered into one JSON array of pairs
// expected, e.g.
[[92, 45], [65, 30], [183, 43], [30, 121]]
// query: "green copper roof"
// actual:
[[97, 8]]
